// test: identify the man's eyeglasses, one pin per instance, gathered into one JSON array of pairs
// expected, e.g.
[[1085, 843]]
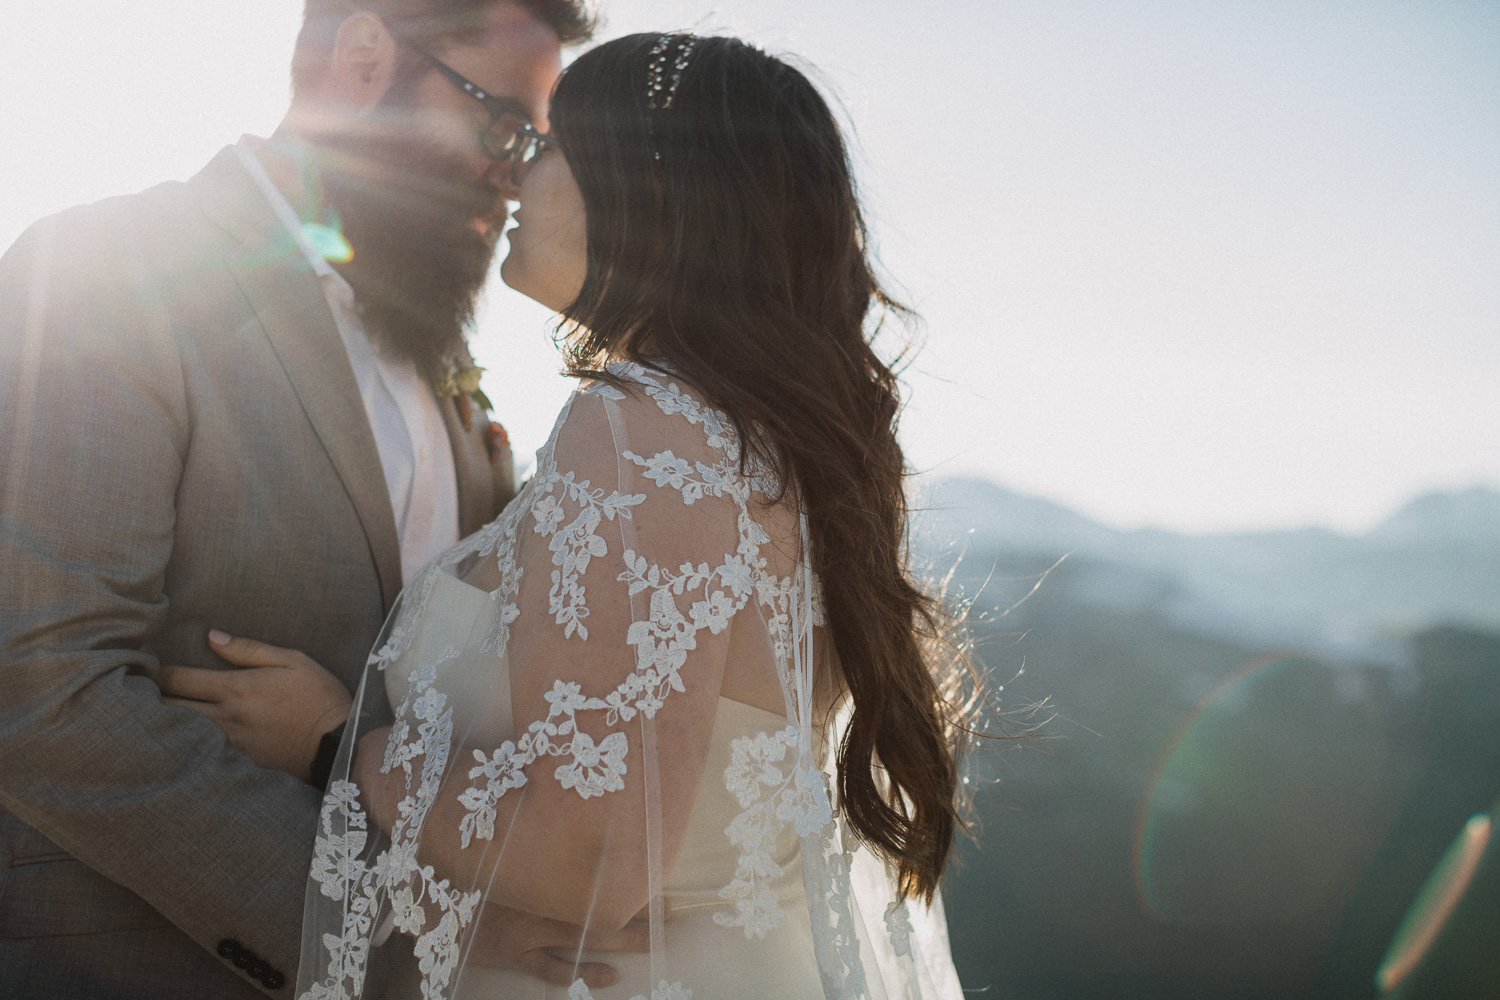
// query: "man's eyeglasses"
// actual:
[[526, 147], [498, 139], [509, 135]]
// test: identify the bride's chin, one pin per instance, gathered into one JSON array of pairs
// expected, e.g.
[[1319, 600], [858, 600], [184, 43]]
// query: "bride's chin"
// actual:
[[511, 271]]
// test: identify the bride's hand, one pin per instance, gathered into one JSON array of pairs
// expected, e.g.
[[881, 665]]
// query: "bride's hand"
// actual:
[[275, 710]]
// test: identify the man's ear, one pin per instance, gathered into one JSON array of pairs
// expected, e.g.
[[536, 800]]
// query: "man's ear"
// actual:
[[364, 61]]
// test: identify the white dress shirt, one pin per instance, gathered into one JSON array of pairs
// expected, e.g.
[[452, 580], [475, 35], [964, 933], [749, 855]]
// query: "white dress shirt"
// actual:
[[415, 453]]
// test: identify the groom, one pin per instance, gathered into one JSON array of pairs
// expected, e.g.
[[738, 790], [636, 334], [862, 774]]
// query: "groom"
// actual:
[[244, 403]]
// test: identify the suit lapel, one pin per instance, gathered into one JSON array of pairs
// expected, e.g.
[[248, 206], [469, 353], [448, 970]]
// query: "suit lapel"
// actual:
[[288, 301]]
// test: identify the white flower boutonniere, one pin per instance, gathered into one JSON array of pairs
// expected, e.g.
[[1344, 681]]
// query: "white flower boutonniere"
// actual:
[[462, 385]]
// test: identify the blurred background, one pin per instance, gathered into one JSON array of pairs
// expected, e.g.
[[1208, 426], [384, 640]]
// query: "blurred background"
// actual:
[[1211, 314]]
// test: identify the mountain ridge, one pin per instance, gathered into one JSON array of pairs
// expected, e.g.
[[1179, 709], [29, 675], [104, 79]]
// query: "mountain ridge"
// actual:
[[1435, 560]]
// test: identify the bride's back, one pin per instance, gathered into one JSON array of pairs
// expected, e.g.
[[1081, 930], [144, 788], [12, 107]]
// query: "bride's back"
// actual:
[[663, 589]]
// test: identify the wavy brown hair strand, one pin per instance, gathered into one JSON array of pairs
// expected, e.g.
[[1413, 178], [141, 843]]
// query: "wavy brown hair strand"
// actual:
[[726, 243]]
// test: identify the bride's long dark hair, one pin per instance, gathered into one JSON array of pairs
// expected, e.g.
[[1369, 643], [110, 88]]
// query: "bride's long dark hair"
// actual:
[[723, 228]]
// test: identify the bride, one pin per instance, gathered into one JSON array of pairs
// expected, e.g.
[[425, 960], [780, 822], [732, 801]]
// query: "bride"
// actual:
[[686, 679]]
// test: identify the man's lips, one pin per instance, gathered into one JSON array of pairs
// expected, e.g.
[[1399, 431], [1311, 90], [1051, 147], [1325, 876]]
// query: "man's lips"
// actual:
[[486, 224]]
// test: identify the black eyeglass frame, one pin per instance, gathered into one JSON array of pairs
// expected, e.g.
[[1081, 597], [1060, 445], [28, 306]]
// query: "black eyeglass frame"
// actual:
[[525, 147], [499, 145]]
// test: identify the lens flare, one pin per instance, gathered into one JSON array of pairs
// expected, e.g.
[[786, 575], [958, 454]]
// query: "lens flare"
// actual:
[[1435, 903], [328, 241], [1267, 798]]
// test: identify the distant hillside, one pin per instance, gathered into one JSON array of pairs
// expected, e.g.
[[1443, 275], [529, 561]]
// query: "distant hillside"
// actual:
[[1436, 560], [1263, 744]]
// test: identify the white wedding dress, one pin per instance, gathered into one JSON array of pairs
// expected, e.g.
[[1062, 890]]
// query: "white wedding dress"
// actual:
[[634, 650]]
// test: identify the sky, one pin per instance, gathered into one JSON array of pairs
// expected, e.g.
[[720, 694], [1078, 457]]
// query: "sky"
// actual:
[[1201, 265]]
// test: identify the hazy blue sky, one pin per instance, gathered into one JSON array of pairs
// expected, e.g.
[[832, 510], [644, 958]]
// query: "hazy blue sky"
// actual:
[[1197, 264]]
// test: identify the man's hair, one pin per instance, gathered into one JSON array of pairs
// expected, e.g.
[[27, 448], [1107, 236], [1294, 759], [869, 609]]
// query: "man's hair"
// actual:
[[424, 22]]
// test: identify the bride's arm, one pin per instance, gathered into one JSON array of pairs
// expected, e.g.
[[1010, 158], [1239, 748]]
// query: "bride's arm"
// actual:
[[621, 604], [277, 707], [554, 853]]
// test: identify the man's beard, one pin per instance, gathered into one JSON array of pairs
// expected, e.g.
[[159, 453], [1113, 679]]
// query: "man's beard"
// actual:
[[418, 263]]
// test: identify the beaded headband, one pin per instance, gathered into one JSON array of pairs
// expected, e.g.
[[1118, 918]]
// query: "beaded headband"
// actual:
[[657, 81]]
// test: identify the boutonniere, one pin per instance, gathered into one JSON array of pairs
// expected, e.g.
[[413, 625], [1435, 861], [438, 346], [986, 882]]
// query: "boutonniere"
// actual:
[[462, 385]]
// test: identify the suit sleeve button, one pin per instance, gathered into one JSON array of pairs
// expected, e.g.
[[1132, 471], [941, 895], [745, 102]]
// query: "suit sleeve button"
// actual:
[[257, 969], [243, 959], [273, 980], [229, 948]]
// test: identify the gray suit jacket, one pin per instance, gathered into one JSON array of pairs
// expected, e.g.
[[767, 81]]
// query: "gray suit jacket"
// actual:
[[182, 446]]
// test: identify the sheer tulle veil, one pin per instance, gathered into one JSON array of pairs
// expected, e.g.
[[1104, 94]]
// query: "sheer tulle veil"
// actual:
[[637, 576]]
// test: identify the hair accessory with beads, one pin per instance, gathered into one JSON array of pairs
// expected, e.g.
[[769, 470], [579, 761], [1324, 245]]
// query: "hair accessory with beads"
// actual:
[[660, 89]]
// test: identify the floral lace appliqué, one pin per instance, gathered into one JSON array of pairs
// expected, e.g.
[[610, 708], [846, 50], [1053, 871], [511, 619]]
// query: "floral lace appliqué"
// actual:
[[898, 926], [770, 797], [662, 640], [423, 905]]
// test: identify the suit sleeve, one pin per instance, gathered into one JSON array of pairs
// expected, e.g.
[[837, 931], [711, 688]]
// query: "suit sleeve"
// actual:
[[93, 429]]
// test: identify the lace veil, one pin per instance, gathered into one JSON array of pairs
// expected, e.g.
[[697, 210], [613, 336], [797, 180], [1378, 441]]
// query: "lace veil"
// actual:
[[605, 706]]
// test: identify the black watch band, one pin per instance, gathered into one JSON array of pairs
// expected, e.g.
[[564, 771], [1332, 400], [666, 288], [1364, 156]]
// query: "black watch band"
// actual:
[[328, 750]]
